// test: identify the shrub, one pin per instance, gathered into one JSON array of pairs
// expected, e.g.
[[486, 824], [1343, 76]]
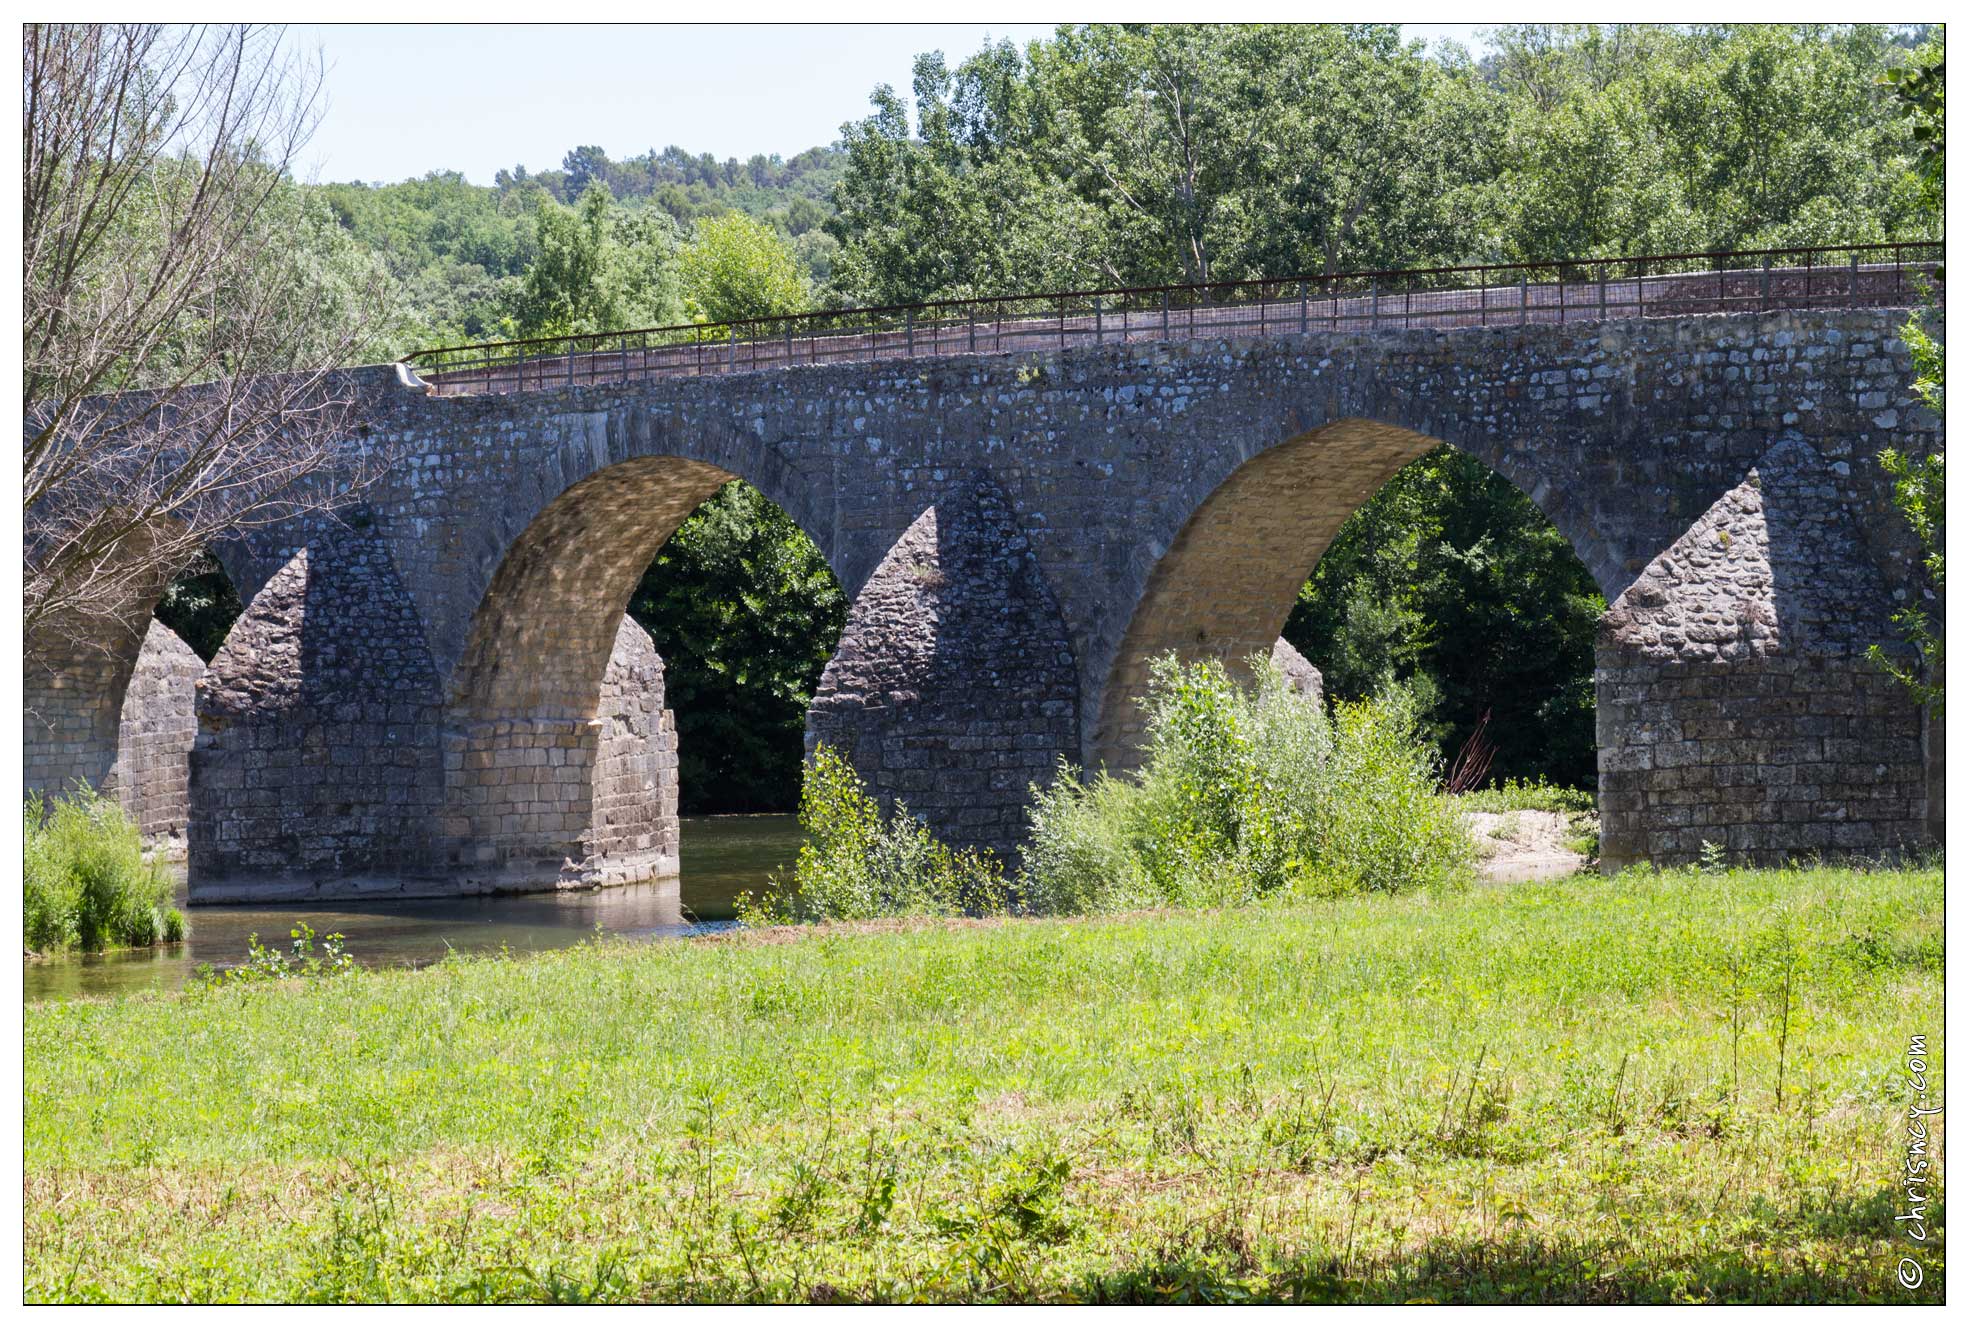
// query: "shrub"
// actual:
[[86, 881], [1246, 792], [854, 864], [265, 964]]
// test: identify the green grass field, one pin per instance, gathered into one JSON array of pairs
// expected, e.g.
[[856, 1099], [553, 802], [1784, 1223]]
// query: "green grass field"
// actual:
[[1549, 1092]]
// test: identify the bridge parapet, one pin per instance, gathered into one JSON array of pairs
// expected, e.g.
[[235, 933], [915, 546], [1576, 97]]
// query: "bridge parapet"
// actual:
[[1472, 295]]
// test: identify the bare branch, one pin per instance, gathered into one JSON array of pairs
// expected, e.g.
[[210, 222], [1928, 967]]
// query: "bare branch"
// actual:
[[178, 377]]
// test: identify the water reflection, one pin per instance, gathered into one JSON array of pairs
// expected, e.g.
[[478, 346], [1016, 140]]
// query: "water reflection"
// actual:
[[722, 856]]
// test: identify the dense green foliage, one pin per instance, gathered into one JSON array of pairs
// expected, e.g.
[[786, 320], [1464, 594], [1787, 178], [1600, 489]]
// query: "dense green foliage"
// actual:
[[1244, 793], [738, 268], [1683, 1087], [1450, 587], [201, 606], [1138, 154], [593, 246], [86, 883], [745, 614], [856, 864], [1513, 795], [1919, 490]]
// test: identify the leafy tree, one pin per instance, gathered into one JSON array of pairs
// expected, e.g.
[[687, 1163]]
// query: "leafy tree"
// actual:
[[596, 270], [1450, 586], [736, 268], [745, 612]]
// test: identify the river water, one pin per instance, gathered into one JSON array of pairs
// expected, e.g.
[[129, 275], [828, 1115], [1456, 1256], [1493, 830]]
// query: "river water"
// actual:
[[722, 856]]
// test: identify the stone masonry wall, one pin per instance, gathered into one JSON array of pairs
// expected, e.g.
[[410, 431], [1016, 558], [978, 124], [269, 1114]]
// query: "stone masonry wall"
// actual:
[[1736, 706], [635, 833], [953, 687], [316, 773], [155, 732], [545, 802]]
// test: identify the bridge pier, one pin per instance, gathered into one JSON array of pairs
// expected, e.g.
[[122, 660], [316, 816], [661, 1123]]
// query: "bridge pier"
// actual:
[[954, 689], [1737, 707]]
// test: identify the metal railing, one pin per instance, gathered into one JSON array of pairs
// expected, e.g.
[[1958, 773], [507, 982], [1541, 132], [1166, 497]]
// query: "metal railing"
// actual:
[[1472, 295]]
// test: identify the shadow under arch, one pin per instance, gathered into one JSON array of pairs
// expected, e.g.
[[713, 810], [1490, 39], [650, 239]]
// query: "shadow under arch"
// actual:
[[1228, 581], [560, 759]]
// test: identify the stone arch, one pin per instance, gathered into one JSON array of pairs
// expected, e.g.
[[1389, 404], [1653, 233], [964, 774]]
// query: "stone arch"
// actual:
[[1228, 580], [582, 457], [954, 688], [559, 756], [109, 698]]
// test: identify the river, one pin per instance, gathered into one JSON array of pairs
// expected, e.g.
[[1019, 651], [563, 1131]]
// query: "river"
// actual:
[[722, 856]]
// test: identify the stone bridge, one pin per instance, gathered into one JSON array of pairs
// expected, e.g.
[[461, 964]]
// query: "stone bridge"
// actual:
[[440, 693]]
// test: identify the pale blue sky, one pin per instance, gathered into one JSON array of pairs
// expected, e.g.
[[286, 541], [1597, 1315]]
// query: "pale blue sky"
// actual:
[[403, 100]]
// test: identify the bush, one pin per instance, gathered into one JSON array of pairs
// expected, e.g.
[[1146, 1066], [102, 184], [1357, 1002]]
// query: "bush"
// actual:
[[1246, 792], [265, 964], [87, 883], [855, 865]]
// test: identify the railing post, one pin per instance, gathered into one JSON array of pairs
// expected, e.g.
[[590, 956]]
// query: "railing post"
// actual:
[[1165, 316], [646, 357], [1098, 335], [1524, 300], [522, 371], [909, 333], [1855, 292], [731, 347], [1374, 304], [1764, 285], [971, 325], [1063, 324], [1603, 293], [1302, 308], [789, 342], [570, 364]]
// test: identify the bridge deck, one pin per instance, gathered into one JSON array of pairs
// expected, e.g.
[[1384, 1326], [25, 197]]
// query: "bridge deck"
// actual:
[[998, 327]]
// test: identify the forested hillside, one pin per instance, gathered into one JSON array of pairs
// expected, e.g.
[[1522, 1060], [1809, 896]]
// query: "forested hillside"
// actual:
[[1111, 155]]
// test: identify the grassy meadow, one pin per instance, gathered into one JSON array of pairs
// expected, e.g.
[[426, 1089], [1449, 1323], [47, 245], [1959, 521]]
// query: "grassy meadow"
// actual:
[[1658, 1088]]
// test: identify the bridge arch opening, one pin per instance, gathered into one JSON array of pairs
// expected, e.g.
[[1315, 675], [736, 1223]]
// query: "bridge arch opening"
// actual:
[[1314, 543], [562, 744]]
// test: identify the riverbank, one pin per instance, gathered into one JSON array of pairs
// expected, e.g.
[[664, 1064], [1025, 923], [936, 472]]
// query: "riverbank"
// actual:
[[1649, 1088]]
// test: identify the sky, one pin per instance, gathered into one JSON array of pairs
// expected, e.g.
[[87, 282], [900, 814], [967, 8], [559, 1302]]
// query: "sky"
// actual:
[[406, 99]]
